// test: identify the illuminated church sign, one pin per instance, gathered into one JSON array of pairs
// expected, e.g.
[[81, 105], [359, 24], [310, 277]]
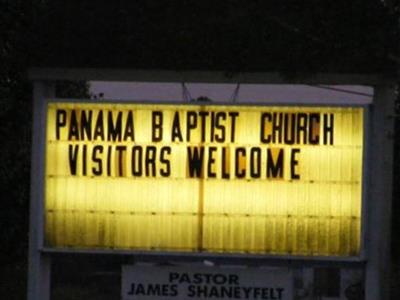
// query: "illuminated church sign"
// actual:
[[213, 178]]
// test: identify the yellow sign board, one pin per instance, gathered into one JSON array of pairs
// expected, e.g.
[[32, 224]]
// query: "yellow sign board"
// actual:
[[214, 178]]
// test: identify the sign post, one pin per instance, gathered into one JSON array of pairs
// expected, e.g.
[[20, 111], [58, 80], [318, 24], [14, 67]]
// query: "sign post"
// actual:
[[39, 264], [380, 194]]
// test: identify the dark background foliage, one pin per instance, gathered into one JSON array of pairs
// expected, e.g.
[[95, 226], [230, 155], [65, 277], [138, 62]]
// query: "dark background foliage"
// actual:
[[235, 35], [296, 37]]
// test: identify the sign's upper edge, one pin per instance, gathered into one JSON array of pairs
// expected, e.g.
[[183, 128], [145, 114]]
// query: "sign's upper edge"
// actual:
[[196, 76]]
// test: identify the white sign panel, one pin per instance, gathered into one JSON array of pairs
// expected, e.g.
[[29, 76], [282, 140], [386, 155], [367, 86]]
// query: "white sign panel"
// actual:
[[173, 283]]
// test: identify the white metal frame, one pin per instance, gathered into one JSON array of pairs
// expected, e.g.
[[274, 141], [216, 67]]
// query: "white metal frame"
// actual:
[[358, 258], [377, 175]]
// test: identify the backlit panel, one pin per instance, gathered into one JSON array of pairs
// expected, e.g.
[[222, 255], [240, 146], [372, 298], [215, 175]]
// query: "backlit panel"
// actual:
[[231, 179]]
